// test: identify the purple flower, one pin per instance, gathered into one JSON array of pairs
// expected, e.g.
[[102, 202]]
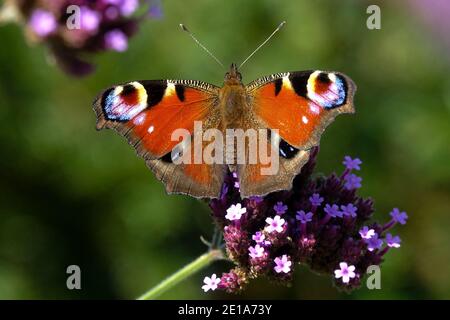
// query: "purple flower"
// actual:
[[90, 19], [104, 25], [352, 164], [116, 40], [345, 272], [304, 217], [366, 233], [349, 210], [316, 240], [235, 212], [210, 283], [316, 200], [155, 9], [398, 216], [374, 243], [232, 281], [256, 251], [128, 7], [333, 211], [283, 264], [256, 199], [258, 237], [280, 208], [42, 22], [393, 242], [352, 181], [275, 224]]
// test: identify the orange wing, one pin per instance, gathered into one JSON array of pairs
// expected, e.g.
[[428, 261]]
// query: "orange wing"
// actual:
[[153, 115], [301, 104]]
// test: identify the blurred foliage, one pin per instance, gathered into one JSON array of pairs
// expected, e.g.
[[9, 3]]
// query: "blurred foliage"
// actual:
[[71, 195]]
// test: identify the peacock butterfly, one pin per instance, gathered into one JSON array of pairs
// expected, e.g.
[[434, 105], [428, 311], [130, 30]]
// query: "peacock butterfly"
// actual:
[[293, 108]]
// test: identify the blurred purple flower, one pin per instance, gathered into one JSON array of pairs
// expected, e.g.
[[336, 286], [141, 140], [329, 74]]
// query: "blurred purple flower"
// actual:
[[155, 10], [116, 40], [90, 19], [128, 7], [103, 25], [434, 15], [42, 22]]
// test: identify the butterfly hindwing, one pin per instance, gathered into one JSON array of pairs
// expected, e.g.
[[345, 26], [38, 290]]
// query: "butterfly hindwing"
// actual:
[[148, 113]]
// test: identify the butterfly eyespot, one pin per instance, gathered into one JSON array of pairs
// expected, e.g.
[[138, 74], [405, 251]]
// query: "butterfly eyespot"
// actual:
[[167, 158], [123, 103], [128, 90], [328, 90], [324, 78], [286, 150]]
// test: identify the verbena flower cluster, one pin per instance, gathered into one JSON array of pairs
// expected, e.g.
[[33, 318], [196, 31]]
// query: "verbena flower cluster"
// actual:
[[75, 29], [321, 223]]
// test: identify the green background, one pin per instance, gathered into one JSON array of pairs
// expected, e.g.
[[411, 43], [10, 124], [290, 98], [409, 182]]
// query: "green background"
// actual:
[[71, 195]]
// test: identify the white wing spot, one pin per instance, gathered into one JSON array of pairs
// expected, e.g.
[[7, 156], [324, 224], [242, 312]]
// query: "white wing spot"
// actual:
[[332, 77], [305, 120], [151, 129]]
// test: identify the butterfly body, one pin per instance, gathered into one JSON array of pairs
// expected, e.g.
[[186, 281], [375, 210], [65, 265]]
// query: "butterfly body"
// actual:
[[285, 115]]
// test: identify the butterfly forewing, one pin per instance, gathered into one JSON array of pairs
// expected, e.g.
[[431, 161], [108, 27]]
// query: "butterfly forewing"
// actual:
[[149, 114], [301, 104]]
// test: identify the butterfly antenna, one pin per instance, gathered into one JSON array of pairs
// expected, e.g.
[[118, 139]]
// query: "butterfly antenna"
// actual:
[[262, 44], [183, 27]]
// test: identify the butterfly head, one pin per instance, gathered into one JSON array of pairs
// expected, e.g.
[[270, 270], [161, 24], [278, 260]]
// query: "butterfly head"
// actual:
[[233, 77]]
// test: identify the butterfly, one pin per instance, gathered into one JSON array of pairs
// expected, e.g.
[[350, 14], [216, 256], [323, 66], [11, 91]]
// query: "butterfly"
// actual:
[[293, 107]]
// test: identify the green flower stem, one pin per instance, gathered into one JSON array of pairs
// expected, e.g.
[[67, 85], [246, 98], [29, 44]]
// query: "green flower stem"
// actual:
[[182, 274]]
